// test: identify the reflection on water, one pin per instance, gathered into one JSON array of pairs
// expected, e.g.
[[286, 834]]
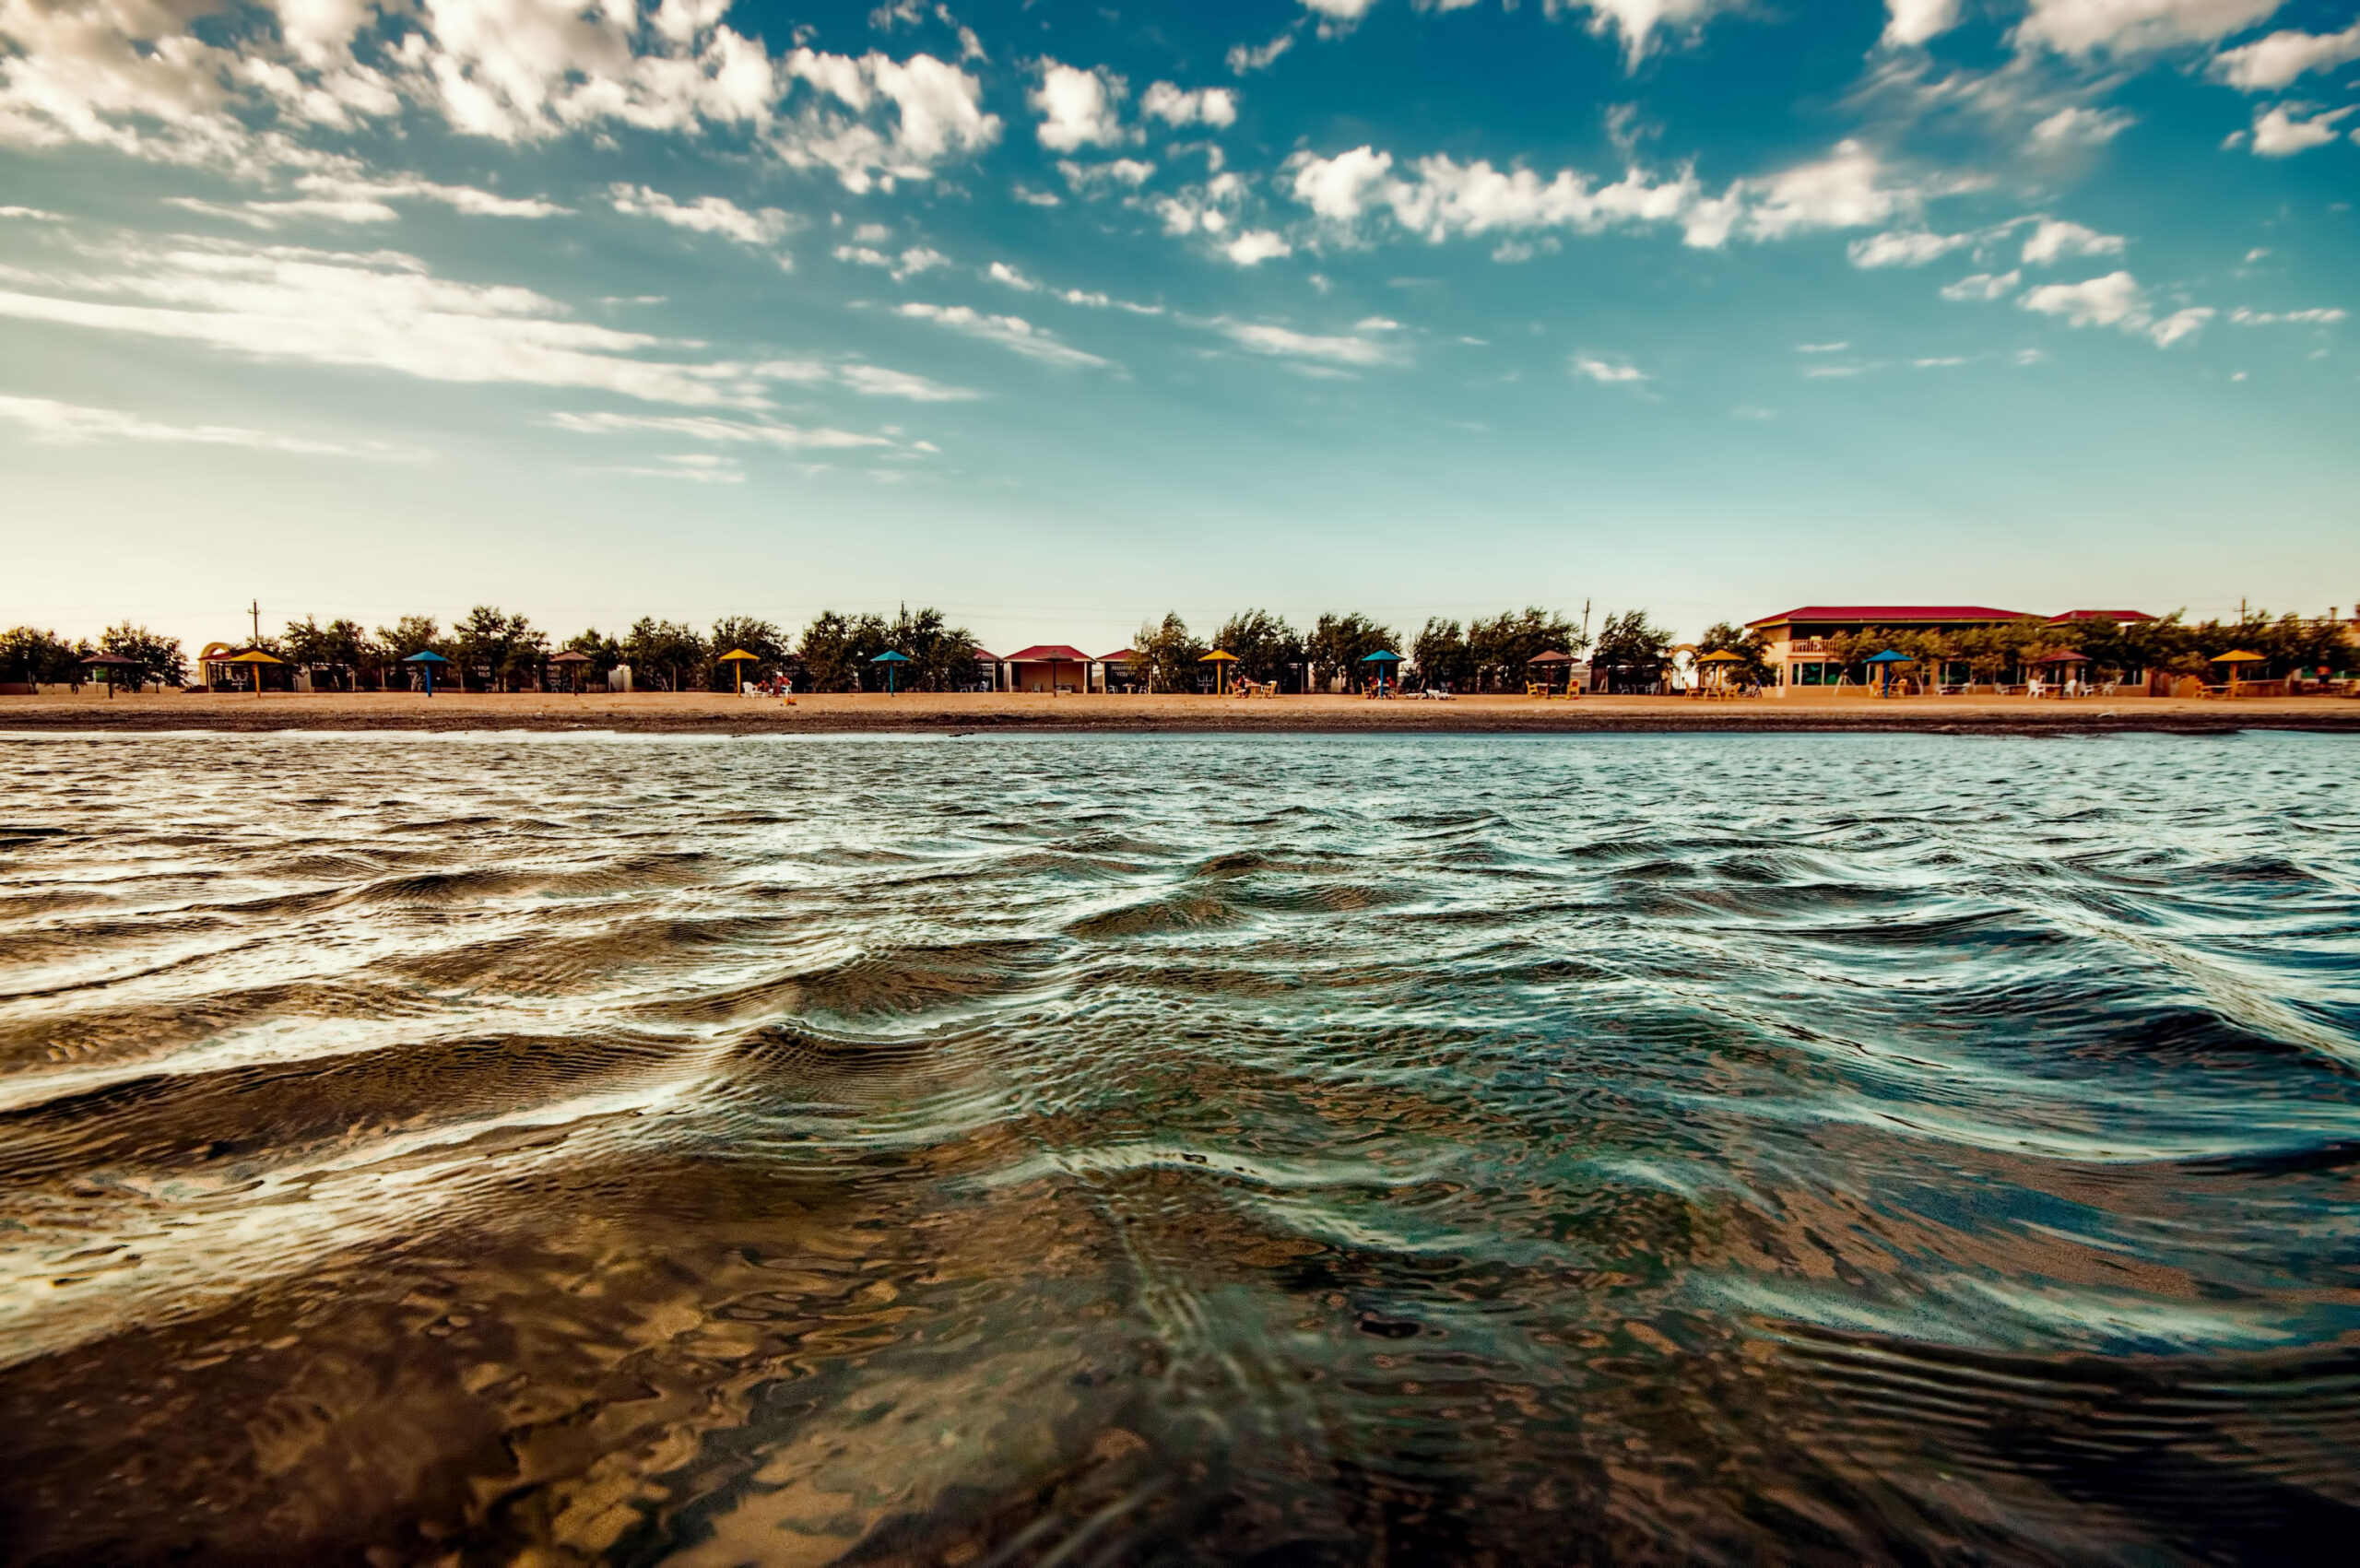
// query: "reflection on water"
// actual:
[[1109, 1150]]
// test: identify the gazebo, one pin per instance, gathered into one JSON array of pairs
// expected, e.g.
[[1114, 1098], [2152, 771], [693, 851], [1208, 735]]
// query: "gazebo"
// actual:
[[2238, 658], [426, 659], [1721, 659], [573, 659], [110, 663], [1549, 663]]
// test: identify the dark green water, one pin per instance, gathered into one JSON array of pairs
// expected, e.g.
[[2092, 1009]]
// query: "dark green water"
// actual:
[[1845, 1148]]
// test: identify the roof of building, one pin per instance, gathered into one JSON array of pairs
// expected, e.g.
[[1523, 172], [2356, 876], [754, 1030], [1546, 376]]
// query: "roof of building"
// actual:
[[1118, 656], [2100, 615], [1045, 653], [1887, 614], [983, 658]]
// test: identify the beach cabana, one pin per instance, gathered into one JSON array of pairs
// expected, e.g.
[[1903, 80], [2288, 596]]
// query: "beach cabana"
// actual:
[[1388, 669], [1116, 666], [426, 659], [572, 659], [737, 659], [1220, 659], [1882, 666], [2236, 660], [1026, 663], [893, 662], [110, 663]]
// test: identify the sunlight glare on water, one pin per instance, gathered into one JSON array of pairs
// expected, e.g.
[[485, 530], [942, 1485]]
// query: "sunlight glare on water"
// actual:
[[1179, 1148]]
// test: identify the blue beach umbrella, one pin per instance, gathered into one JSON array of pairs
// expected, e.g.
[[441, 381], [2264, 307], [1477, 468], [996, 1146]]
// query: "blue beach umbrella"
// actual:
[[889, 658], [1384, 656], [426, 659], [1889, 658]]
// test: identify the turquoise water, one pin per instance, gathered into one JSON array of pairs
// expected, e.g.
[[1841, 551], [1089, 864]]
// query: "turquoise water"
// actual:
[[1916, 1149]]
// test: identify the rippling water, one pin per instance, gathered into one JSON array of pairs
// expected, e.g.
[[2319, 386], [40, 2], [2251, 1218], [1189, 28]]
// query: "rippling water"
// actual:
[[1122, 1150]]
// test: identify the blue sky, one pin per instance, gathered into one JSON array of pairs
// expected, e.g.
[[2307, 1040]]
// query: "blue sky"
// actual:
[[1061, 316]]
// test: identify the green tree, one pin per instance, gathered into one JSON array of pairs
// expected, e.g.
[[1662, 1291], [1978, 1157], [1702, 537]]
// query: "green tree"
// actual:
[[733, 633], [826, 651], [942, 656], [1338, 644], [1266, 646], [1164, 657], [1440, 657], [32, 655], [1630, 651], [1501, 648], [153, 657], [664, 653]]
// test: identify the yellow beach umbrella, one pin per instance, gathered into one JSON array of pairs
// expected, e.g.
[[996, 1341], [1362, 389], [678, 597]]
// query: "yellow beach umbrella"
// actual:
[[1218, 658], [2241, 656], [256, 658], [740, 657], [1721, 656]]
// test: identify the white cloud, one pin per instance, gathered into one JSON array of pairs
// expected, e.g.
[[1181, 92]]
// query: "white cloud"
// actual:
[[936, 116], [31, 214], [2275, 62], [1638, 20], [698, 467], [1439, 197], [73, 423], [1349, 349], [712, 429], [2053, 239], [2116, 299], [2078, 125], [269, 214], [377, 310], [1822, 348], [1607, 372], [1086, 178], [1246, 59], [706, 214], [1905, 248], [2122, 27], [1000, 272], [2277, 133], [466, 199], [876, 381], [1338, 16], [1256, 245], [1214, 107], [1013, 331], [909, 264], [1983, 285], [2322, 316], [1080, 108], [1910, 22]]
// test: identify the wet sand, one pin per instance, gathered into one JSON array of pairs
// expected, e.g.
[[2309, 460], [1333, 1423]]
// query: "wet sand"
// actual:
[[707, 714]]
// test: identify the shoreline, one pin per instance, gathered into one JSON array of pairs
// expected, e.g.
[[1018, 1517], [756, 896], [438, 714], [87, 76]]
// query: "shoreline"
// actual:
[[703, 713]]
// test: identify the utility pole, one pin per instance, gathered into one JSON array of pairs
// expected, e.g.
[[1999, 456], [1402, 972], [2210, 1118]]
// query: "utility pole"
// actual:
[[254, 609]]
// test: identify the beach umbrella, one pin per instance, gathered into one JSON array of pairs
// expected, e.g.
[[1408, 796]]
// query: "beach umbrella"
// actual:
[[740, 657], [254, 658], [1220, 659], [574, 659], [1550, 658], [889, 658], [1384, 656], [110, 663], [1721, 657], [2240, 656], [426, 659], [1887, 659]]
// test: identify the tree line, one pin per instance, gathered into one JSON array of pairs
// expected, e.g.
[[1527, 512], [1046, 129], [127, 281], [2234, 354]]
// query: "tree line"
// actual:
[[490, 649]]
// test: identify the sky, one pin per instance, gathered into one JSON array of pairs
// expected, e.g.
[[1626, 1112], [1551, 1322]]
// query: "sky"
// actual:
[[1058, 317]]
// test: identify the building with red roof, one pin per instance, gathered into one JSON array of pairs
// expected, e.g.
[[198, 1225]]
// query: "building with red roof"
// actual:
[[1048, 667], [1801, 639], [2124, 617]]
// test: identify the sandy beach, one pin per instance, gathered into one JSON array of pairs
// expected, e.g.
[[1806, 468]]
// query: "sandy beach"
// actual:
[[707, 714]]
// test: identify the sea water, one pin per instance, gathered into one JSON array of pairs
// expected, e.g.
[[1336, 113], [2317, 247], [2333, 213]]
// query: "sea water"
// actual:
[[1157, 1149]]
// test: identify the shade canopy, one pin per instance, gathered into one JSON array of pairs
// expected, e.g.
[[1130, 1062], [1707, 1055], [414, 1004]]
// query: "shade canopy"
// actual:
[[423, 656], [2066, 658], [1722, 657], [1552, 657], [117, 659], [1382, 657], [2242, 656], [1219, 656], [1890, 657], [569, 657], [739, 655], [888, 658], [250, 656]]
